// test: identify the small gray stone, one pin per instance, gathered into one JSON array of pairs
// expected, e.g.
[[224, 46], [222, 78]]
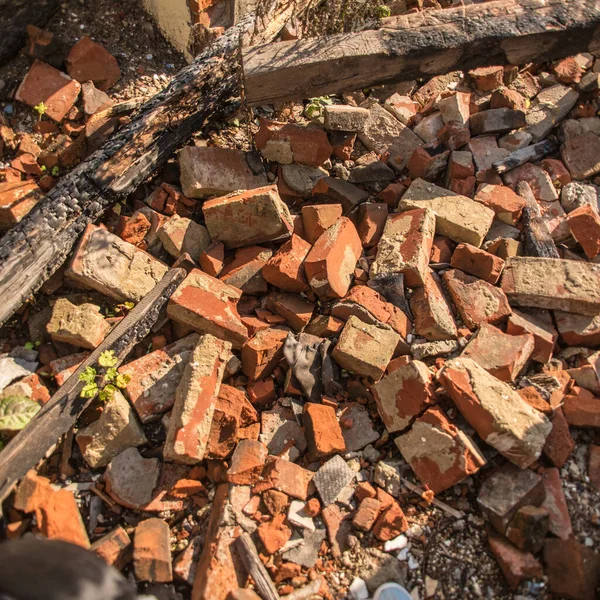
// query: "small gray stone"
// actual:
[[331, 479], [302, 179], [12, 368], [575, 195], [308, 553], [362, 432], [421, 350]]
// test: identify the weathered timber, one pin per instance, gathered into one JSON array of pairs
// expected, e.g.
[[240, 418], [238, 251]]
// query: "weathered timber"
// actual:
[[15, 15], [249, 556], [538, 241], [522, 155], [421, 45], [37, 246], [59, 414]]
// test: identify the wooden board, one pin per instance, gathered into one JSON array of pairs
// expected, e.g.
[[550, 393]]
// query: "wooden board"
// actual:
[[37, 246], [421, 45]]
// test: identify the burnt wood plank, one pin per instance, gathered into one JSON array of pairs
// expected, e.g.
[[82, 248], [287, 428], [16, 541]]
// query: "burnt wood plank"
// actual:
[[538, 241]]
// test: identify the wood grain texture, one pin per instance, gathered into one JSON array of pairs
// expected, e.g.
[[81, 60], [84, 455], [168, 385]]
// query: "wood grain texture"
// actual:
[[538, 241], [59, 414], [37, 246], [421, 45], [249, 556]]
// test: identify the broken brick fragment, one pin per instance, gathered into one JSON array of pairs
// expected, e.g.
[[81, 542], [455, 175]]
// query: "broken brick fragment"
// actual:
[[58, 518], [152, 551], [262, 352], [477, 262], [115, 548], [17, 198], [540, 326], [244, 272], [559, 443], [365, 516], [516, 565], [391, 523], [285, 269], [584, 224], [318, 218], [89, 61], [323, 432], [247, 462]]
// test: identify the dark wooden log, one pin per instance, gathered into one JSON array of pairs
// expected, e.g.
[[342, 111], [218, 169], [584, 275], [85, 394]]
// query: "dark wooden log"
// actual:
[[59, 414], [249, 556], [15, 15], [421, 45], [538, 241], [33, 250], [528, 154]]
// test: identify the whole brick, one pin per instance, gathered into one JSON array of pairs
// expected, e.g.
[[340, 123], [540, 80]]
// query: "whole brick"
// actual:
[[578, 330], [365, 349], [152, 551], [17, 198], [440, 454], [318, 218], [432, 312], [405, 246], [477, 301], [457, 217], [506, 204], [81, 325], [584, 224], [496, 411], [262, 352], [477, 262], [567, 285], [208, 171], [540, 326], [246, 218], [180, 234], [323, 432], [504, 356], [287, 143], [285, 269], [330, 264], [208, 306], [195, 399], [104, 262], [46, 84], [154, 377], [403, 394]]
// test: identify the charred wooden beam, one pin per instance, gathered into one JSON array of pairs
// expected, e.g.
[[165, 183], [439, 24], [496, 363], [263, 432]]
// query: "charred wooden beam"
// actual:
[[538, 241], [36, 247], [421, 45], [59, 414], [523, 155]]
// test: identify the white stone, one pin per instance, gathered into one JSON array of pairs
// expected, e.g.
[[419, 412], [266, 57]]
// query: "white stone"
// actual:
[[299, 518]]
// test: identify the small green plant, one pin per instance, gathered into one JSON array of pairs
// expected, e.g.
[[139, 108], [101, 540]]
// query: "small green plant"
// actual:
[[55, 171], [31, 345], [41, 109], [113, 380], [383, 11], [43, 168], [314, 109]]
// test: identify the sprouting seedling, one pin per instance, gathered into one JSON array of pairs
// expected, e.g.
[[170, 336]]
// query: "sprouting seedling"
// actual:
[[31, 345], [55, 171], [41, 109], [113, 380], [383, 11]]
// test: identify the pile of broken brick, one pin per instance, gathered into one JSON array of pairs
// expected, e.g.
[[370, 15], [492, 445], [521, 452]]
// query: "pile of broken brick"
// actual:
[[363, 269]]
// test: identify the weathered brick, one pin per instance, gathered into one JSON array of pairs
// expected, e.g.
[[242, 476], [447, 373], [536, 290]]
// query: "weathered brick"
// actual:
[[81, 325], [318, 218], [455, 108], [213, 171], [440, 454], [244, 272], [288, 477], [540, 326], [247, 462], [17, 198], [344, 118], [539, 181], [180, 234], [90, 61], [477, 262], [390, 524], [115, 548], [195, 399], [578, 330], [550, 107], [403, 394], [477, 301], [516, 565], [487, 79], [501, 355], [581, 155], [582, 408], [285, 269], [323, 432], [566, 285], [556, 503], [496, 411], [250, 217], [296, 311], [405, 246], [457, 217], [208, 306], [584, 224], [262, 352], [330, 264], [365, 349], [104, 262], [152, 551], [365, 516], [372, 218], [559, 443], [506, 204]]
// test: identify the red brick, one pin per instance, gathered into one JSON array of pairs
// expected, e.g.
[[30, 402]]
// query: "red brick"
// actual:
[[330, 263], [506, 204], [364, 490], [460, 165], [115, 548], [294, 309], [440, 454], [390, 524], [594, 465], [427, 162], [581, 155], [208, 305], [441, 249], [535, 400], [58, 518], [556, 503], [285, 269], [247, 462], [582, 408], [274, 534], [152, 551], [134, 229], [516, 565], [286, 143], [584, 223], [477, 301], [211, 259], [454, 136], [16, 200], [558, 172], [477, 262], [262, 392], [245, 270], [46, 84], [403, 394], [288, 477], [578, 330], [507, 98], [568, 70], [262, 352], [487, 79], [371, 221], [32, 492], [323, 432], [432, 312], [63, 368], [502, 355], [540, 326], [319, 218], [89, 61], [559, 443], [195, 398], [366, 514]]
